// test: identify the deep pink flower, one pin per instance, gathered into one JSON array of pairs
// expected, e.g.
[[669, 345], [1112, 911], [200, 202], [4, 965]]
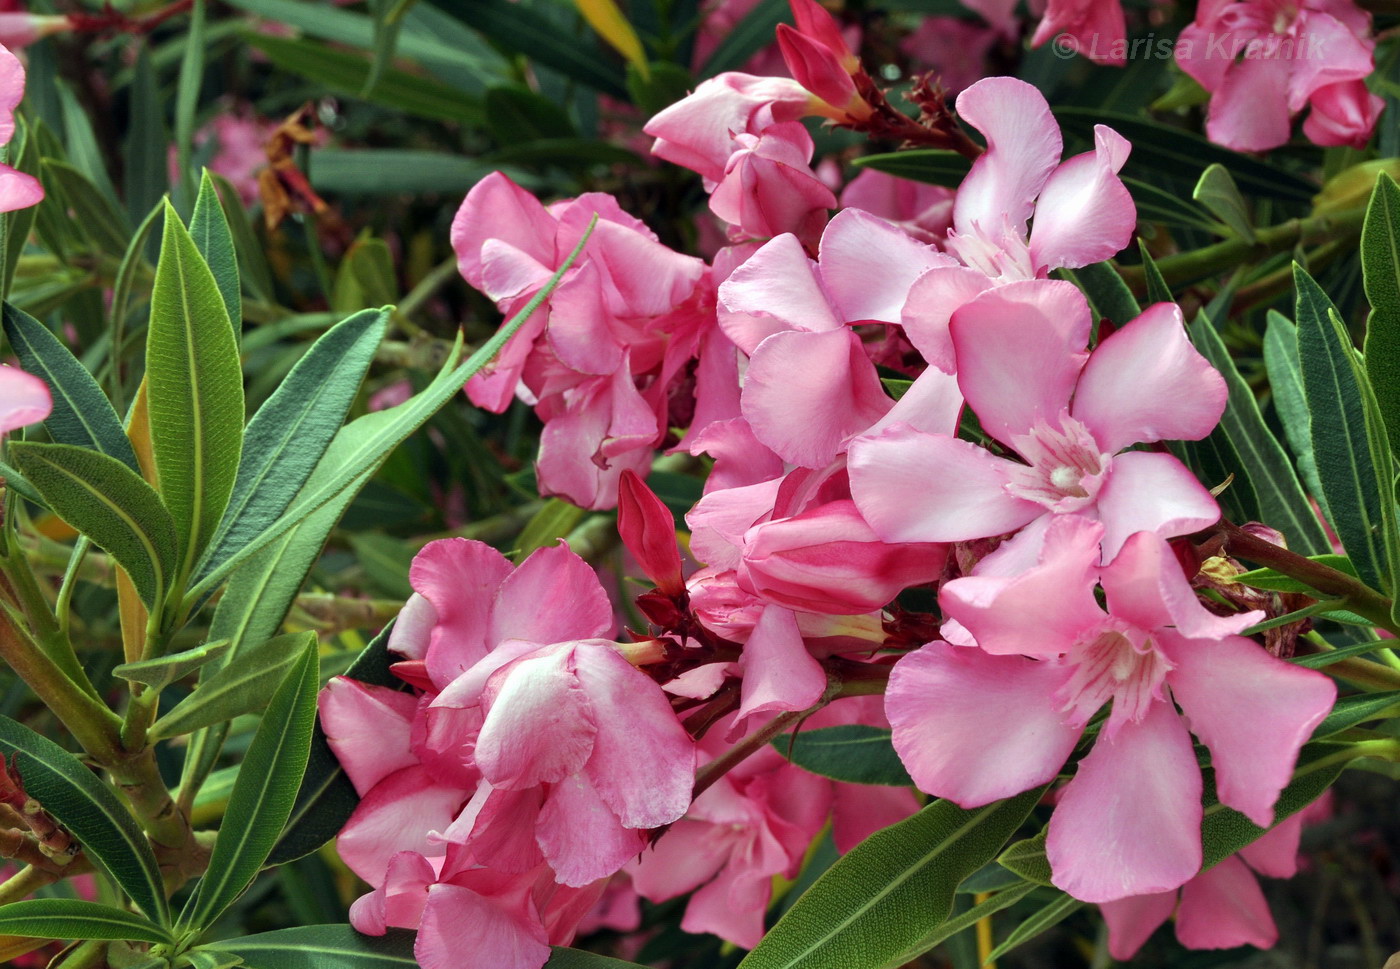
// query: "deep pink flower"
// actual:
[[1265, 60], [1128, 823], [768, 187], [1022, 365]]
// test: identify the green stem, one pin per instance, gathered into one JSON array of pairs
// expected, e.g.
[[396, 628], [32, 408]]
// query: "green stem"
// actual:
[[47, 633], [1188, 267], [27, 882], [139, 779], [94, 726]]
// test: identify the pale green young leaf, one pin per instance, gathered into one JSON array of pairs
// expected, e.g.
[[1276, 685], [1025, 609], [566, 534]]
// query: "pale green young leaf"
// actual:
[[160, 672], [237, 688], [212, 237], [1217, 191]]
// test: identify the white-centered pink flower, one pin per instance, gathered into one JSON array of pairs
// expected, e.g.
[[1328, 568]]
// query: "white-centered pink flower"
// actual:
[[1068, 415], [978, 723]]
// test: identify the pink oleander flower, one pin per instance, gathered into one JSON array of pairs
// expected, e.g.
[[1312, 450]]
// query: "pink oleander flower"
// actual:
[[1082, 212], [810, 387], [599, 358], [17, 190], [24, 398], [1048, 658], [821, 60], [537, 754], [768, 187], [1094, 28], [1069, 415], [21, 29], [1264, 61], [1221, 908], [924, 211], [241, 138]]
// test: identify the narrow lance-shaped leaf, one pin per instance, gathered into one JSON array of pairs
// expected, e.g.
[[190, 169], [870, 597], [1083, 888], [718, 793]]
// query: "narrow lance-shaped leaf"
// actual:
[[1343, 453], [361, 446], [1217, 191], [91, 812], [110, 504], [854, 753], [160, 672], [291, 431], [877, 904], [212, 237], [324, 947], [1380, 264], [1286, 384], [1049, 915], [262, 796], [195, 390], [237, 688], [82, 414], [73, 918]]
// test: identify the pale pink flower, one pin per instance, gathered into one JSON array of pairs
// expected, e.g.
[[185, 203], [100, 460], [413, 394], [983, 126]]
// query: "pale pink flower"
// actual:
[[17, 190], [1265, 60], [21, 29], [24, 398], [1023, 367], [924, 211], [1048, 658], [768, 186], [957, 49], [1095, 28]]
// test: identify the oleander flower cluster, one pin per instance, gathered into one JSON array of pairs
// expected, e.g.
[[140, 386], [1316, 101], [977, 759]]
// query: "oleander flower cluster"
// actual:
[[896, 398]]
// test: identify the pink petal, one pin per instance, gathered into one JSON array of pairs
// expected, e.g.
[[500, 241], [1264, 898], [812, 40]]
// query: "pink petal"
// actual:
[[858, 247], [955, 711], [806, 393], [1254, 711], [413, 629], [932, 403], [917, 487], [497, 208], [396, 815], [1275, 853], [457, 920], [579, 608], [1249, 111], [24, 398], [1149, 492], [643, 763], [719, 520], [1042, 611], [1132, 920], [460, 578], [18, 191], [1146, 383], [582, 839], [779, 673], [932, 301], [777, 289], [1129, 823], [1084, 214], [1146, 586], [498, 828], [686, 856], [579, 331], [398, 901], [539, 725], [1023, 148], [1224, 908], [858, 811], [368, 728], [732, 906], [1019, 349]]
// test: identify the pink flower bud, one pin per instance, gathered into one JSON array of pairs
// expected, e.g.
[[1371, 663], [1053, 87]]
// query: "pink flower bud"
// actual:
[[648, 530], [20, 29], [815, 23], [821, 71]]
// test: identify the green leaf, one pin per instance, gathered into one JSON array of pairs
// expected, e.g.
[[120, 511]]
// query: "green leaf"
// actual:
[[1108, 295], [575, 154], [747, 37], [1339, 433], [667, 84], [327, 798], [196, 390], [133, 262], [208, 959], [855, 753], [262, 796], [72, 918], [387, 24], [361, 446], [1353, 710], [361, 172], [110, 504], [1156, 205], [98, 217], [1316, 661], [160, 672], [515, 114], [1276, 581], [1027, 859], [245, 241], [519, 27], [291, 431], [1157, 289], [930, 165], [82, 146], [212, 237], [91, 812], [1380, 265], [324, 947], [1217, 191], [966, 920], [1159, 150], [875, 907], [24, 156], [345, 72], [1050, 914], [145, 167], [237, 688], [187, 102], [552, 522], [1286, 384], [82, 415], [1265, 464]]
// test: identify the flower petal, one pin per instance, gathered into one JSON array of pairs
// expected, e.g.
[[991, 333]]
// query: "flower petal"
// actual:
[[858, 247], [1023, 148], [368, 729], [1149, 492], [1084, 214], [539, 722], [582, 839], [458, 920], [1224, 908], [1132, 920]]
